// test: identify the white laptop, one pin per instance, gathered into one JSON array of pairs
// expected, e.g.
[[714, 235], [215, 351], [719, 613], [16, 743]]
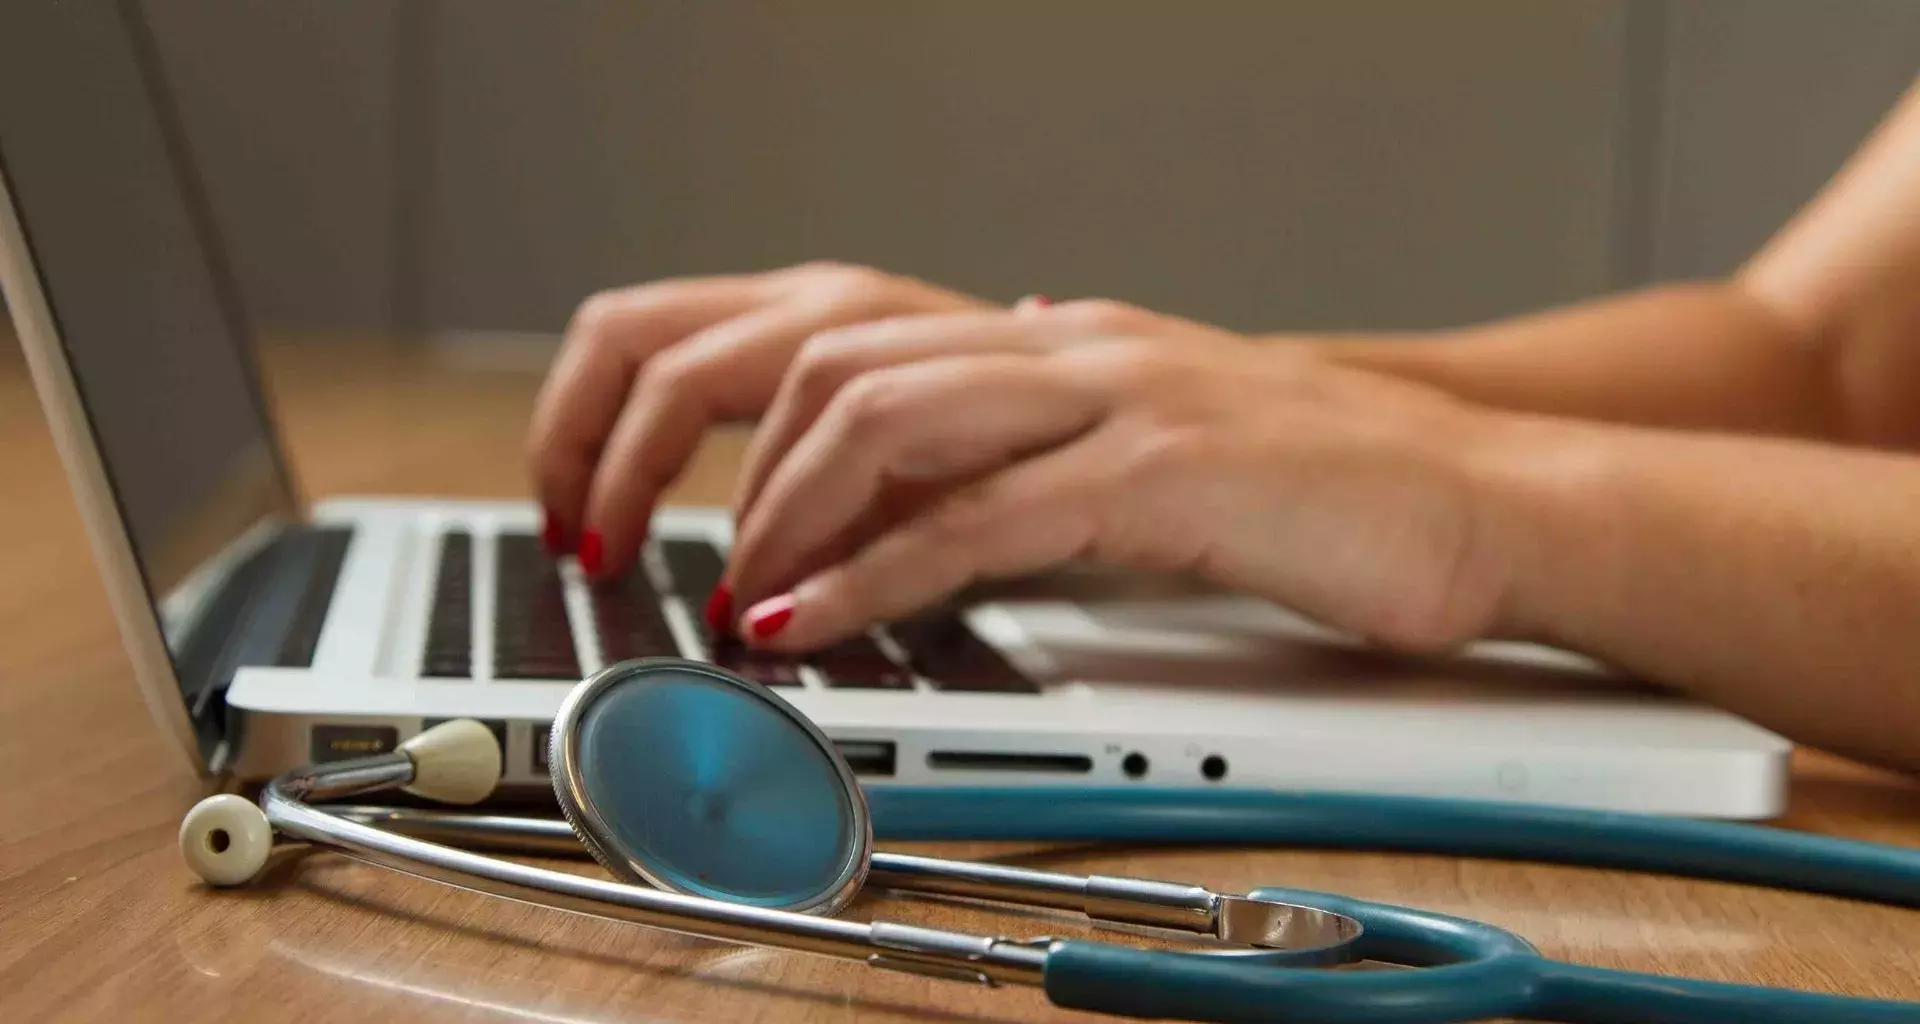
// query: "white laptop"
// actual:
[[265, 632]]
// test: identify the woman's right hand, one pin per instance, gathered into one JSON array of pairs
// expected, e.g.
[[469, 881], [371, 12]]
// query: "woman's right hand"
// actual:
[[645, 371]]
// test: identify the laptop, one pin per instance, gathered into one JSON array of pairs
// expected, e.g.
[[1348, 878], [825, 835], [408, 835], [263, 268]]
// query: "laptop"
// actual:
[[266, 631]]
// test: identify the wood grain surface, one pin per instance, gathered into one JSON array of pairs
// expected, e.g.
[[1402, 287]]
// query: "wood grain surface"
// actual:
[[100, 919]]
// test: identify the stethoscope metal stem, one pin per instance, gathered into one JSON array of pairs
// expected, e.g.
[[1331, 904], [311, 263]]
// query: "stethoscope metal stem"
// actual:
[[917, 950], [342, 779], [1130, 901]]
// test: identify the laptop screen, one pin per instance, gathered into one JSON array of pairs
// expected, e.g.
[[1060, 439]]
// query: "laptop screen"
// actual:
[[128, 266]]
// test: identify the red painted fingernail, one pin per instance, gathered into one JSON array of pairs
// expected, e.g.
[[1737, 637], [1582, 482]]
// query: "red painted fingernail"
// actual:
[[1039, 301], [770, 616], [592, 550], [720, 610], [553, 536]]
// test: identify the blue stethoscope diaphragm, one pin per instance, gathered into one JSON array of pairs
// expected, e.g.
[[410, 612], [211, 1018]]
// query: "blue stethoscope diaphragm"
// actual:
[[688, 778]]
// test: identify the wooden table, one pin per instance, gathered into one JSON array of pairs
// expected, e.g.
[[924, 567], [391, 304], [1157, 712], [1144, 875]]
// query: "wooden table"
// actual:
[[99, 919]]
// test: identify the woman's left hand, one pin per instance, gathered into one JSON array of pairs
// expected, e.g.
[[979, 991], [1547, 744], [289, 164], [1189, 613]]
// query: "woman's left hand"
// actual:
[[1094, 432]]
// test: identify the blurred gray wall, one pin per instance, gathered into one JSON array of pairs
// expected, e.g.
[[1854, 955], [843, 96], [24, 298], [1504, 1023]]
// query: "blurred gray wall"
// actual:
[[478, 165]]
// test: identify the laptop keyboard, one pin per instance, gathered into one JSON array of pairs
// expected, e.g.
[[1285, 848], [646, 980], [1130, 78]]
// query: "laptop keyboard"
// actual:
[[327, 553], [631, 625], [945, 650], [695, 567], [449, 652], [533, 638], [859, 664]]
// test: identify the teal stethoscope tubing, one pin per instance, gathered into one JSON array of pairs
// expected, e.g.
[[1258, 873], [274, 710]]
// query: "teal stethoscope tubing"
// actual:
[[1471, 971], [1725, 851]]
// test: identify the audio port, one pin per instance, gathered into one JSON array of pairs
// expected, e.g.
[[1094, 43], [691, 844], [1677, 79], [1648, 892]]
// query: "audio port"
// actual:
[[1134, 764], [1214, 767]]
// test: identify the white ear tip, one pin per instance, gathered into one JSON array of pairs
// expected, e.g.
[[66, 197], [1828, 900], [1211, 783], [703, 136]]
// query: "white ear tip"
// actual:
[[226, 839], [455, 762]]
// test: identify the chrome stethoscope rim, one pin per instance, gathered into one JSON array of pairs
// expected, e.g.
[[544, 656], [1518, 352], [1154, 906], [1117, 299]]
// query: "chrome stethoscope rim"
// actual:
[[576, 801]]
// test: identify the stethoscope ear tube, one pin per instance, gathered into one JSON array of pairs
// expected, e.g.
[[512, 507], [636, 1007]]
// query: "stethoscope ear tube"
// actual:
[[1723, 851]]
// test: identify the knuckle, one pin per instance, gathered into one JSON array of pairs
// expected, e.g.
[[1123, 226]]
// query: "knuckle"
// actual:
[[850, 288], [676, 372], [866, 404], [826, 359], [592, 316], [1103, 315], [596, 320], [822, 268], [1127, 365], [1166, 449]]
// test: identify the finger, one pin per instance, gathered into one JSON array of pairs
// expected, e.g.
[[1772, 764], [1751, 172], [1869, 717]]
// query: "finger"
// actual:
[[953, 416], [827, 361], [1030, 517], [609, 341], [727, 372]]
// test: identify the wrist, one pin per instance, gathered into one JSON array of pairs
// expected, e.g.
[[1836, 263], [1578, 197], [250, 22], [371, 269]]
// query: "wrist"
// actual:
[[1543, 498]]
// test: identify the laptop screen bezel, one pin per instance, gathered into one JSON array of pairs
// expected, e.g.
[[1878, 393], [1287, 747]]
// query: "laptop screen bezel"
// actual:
[[135, 601]]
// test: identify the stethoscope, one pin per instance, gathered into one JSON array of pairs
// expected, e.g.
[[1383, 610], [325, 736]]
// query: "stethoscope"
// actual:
[[722, 812]]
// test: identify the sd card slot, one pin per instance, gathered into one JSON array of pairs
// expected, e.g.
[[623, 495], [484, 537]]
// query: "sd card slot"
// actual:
[[997, 761]]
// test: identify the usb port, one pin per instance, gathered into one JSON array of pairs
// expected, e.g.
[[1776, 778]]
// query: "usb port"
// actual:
[[872, 758], [342, 742]]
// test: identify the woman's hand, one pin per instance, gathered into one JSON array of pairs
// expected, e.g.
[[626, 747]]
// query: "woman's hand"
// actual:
[[645, 371], [1089, 431]]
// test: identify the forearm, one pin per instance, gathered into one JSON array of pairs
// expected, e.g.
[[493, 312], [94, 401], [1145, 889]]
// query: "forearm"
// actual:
[[1814, 337], [1778, 579], [1700, 355]]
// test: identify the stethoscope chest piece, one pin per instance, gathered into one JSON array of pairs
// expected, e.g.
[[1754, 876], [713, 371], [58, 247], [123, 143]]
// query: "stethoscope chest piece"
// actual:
[[685, 777]]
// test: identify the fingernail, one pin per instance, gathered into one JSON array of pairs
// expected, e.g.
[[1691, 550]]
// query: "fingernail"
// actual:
[[592, 551], [770, 616], [720, 610], [1035, 301], [553, 536]]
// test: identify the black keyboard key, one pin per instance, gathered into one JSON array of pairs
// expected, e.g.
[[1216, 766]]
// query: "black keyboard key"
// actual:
[[764, 667], [695, 567], [326, 553], [449, 648], [447, 666], [944, 649], [859, 664], [532, 637], [544, 667], [627, 616]]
